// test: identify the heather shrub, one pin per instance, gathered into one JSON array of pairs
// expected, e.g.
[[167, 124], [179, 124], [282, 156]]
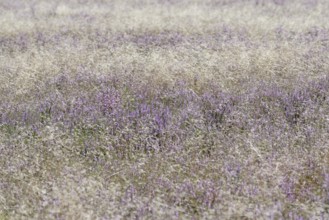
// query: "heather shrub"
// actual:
[[168, 109]]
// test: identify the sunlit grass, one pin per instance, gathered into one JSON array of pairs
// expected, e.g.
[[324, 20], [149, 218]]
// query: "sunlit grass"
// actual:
[[164, 109]]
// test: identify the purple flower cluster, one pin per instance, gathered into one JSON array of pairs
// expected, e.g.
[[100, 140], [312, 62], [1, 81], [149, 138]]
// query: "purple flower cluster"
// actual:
[[146, 119]]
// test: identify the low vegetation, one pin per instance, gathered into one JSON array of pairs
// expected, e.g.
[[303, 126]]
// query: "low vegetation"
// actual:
[[164, 109]]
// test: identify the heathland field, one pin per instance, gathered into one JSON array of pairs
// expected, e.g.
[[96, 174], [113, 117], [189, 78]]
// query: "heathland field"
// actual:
[[164, 109]]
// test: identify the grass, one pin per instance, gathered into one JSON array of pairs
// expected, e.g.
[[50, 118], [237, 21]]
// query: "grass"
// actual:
[[167, 109]]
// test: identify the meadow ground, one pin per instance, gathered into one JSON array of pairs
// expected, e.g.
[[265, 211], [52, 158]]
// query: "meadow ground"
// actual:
[[164, 109]]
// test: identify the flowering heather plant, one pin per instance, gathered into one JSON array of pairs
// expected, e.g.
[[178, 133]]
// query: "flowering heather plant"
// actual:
[[164, 109]]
